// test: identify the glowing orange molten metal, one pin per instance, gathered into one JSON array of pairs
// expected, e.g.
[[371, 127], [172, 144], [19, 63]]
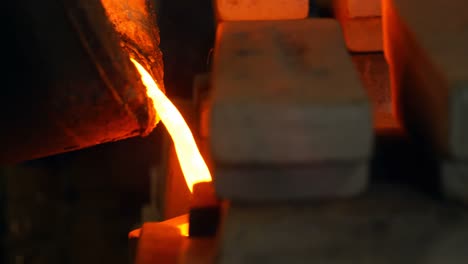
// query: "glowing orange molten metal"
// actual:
[[193, 166], [183, 229]]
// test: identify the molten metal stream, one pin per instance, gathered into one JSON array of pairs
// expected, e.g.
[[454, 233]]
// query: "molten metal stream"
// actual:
[[193, 166]]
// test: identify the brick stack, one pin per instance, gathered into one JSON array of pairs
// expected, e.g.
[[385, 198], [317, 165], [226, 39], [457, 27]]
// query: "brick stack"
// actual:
[[361, 21], [286, 111], [228, 10], [288, 121], [425, 44]]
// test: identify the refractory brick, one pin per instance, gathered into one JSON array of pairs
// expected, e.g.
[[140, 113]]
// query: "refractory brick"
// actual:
[[229, 10], [364, 8], [362, 34], [286, 92], [426, 48]]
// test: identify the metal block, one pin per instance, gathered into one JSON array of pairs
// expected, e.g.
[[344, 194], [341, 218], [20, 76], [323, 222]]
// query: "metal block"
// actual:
[[228, 10], [205, 211], [364, 8], [283, 95], [362, 34], [285, 183]]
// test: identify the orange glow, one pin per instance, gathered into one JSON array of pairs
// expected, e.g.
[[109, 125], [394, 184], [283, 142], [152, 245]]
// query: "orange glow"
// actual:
[[181, 223], [132, 20], [229, 10], [134, 233], [184, 229], [193, 166]]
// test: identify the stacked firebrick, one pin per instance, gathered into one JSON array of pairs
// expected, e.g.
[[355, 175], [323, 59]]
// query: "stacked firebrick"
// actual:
[[291, 126]]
